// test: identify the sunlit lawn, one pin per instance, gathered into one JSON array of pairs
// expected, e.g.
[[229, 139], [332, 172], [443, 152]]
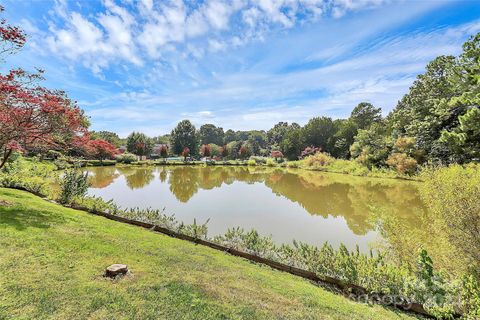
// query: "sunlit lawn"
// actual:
[[52, 260]]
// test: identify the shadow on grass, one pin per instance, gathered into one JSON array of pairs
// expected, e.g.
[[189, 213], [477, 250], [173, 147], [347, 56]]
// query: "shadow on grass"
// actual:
[[22, 218]]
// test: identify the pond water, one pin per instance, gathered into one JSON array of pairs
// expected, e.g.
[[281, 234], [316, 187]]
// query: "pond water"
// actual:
[[285, 203]]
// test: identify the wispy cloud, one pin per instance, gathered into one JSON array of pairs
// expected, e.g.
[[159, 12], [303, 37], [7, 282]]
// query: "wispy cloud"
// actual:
[[132, 33]]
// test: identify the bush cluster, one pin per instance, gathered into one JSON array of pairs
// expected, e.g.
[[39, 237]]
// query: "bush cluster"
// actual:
[[126, 158], [29, 174], [74, 185], [318, 159]]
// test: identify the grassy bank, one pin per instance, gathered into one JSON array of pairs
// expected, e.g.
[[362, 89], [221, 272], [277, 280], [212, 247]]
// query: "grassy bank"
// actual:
[[53, 259]]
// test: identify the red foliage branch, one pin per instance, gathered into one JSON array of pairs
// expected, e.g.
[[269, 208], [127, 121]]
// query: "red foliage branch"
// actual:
[[185, 153], [34, 117], [206, 150], [277, 154], [101, 149], [308, 151], [243, 152], [12, 38], [224, 151], [161, 150]]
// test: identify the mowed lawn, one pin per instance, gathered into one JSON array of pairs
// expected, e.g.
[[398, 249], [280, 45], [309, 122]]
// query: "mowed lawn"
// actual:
[[52, 260]]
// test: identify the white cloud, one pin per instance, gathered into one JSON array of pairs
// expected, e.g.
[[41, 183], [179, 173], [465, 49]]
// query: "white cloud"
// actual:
[[273, 10], [251, 16], [215, 45], [29, 27], [128, 32], [196, 24], [218, 14], [97, 42], [340, 7]]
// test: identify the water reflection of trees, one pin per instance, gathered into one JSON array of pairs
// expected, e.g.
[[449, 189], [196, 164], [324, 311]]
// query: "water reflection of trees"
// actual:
[[163, 175], [137, 178], [352, 198], [102, 177], [184, 182]]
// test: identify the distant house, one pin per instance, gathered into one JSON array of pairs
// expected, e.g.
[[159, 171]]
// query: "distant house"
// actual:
[[156, 150]]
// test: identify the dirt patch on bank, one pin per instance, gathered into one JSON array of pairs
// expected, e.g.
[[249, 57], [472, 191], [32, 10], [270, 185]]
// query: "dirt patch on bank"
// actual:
[[4, 203]]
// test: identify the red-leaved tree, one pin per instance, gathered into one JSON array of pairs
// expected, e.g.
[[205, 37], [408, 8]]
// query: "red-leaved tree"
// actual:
[[33, 117], [277, 154], [243, 152], [308, 151], [12, 38], [206, 150], [185, 153], [101, 149], [164, 151]]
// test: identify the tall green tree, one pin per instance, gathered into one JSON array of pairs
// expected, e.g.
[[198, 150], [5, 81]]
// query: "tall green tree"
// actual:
[[319, 132], [293, 144], [242, 135], [139, 144], [257, 142], [424, 111], [346, 130], [164, 139], [184, 135], [209, 133], [433, 110], [229, 136], [364, 114], [276, 134], [372, 146], [463, 140]]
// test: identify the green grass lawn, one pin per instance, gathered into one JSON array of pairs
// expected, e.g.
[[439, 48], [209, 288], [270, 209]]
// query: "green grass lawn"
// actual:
[[52, 260]]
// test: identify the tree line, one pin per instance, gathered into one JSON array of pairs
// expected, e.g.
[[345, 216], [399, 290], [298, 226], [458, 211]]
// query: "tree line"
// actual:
[[324, 133]]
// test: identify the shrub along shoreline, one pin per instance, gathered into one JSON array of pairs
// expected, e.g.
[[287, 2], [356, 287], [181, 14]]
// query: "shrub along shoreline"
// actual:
[[349, 167]]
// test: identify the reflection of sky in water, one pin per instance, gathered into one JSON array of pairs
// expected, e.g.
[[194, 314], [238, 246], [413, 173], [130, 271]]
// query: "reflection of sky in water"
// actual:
[[314, 208]]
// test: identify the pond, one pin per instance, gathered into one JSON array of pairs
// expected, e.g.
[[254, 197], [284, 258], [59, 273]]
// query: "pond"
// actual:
[[287, 204]]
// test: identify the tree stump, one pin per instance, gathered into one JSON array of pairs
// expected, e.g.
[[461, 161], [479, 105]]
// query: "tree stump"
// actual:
[[116, 270]]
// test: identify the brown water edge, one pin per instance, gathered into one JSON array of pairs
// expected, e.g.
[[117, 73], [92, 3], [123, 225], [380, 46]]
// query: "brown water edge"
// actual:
[[289, 204]]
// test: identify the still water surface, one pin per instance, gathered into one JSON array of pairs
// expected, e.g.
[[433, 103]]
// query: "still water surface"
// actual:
[[287, 204]]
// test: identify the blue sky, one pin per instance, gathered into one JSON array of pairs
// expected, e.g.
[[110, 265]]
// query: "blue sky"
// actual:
[[240, 64]]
